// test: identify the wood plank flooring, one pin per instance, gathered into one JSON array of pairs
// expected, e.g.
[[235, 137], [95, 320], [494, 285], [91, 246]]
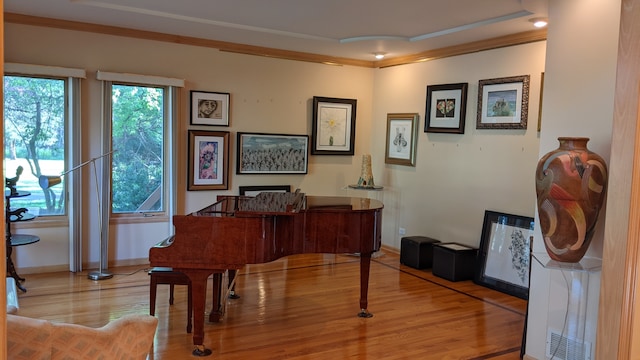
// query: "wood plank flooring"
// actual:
[[303, 307]]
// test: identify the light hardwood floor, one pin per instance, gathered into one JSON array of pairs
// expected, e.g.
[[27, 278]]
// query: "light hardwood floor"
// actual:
[[303, 307]]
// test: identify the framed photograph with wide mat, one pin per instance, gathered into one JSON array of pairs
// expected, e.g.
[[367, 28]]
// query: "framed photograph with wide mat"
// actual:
[[402, 138], [504, 256], [334, 126], [446, 108], [503, 103]]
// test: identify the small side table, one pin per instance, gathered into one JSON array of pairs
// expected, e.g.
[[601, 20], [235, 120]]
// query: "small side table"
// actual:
[[375, 192], [572, 337]]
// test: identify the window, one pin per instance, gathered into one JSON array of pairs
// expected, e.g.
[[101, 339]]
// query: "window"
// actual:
[[35, 118], [138, 139], [139, 113]]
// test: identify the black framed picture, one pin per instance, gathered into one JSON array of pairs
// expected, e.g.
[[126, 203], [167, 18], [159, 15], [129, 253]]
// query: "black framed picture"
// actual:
[[260, 153], [446, 108], [334, 126], [253, 190], [505, 253]]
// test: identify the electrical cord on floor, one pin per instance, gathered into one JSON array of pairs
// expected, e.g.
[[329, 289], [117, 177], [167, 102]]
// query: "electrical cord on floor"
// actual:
[[145, 269]]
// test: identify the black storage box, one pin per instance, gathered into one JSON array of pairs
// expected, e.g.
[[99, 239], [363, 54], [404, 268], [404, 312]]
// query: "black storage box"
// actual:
[[453, 261], [417, 251]]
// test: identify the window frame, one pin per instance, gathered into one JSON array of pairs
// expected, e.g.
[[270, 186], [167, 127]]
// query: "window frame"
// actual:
[[171, 100], [73, 146], [72, 82], [107, 147]]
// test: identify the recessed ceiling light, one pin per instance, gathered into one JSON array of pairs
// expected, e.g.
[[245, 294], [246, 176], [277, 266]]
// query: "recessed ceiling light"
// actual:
[[539, 22], [379, 55]]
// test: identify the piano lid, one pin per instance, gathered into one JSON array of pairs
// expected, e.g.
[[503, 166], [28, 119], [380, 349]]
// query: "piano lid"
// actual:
[[341, 203], [279, 203], [265, 203]]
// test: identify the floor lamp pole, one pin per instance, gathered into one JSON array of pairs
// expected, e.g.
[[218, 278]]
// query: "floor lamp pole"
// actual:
[[49, 181], [102, 273]]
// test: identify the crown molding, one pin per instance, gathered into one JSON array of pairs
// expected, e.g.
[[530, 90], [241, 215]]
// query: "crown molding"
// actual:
[[482, 45]]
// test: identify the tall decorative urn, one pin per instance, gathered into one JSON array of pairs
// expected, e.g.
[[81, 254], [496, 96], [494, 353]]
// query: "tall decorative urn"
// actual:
[[571, 184]]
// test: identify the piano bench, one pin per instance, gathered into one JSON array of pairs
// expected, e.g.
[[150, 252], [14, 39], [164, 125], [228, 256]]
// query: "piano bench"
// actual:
[[166, 276]]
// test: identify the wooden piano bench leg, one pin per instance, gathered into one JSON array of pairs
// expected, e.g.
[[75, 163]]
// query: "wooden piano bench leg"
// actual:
[[152, 295], [189, 309], [166, 276]]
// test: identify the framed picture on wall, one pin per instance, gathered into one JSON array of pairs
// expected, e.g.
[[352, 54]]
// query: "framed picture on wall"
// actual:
[[208, 160], [446, 108], [334, 126], [540, 103], [402, 138], [209, 108], [272, 153], [254, 190], [503, 103], [505, 253]]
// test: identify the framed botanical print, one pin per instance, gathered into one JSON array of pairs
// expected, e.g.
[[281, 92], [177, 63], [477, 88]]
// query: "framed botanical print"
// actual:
[[505, 253], [402, 136], [334, 126]]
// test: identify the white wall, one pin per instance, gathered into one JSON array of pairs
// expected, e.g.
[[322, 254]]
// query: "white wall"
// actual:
[[267, 95], [578, 101], [457, 176]]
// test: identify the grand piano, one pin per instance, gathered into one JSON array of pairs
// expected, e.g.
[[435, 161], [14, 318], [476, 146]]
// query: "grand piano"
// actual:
[[239, 230]]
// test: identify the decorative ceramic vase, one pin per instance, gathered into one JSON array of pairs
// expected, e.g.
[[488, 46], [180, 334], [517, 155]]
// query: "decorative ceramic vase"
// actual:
[[571, 183], [366, 176]]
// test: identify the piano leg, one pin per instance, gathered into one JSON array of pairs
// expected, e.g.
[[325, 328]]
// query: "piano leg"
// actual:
[[365, 265], [199, 298], [216, 309]]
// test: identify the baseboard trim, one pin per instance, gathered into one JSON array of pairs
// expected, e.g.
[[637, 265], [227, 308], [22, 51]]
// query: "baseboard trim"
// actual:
[[125, 262], [85, 266], [390, 249]]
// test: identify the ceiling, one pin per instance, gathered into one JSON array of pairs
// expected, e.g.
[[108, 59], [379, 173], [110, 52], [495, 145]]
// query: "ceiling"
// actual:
[[354, 29]]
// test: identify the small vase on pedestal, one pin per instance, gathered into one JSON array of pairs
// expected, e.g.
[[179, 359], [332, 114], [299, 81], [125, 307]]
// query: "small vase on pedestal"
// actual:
[[366, 176], [571, 185]]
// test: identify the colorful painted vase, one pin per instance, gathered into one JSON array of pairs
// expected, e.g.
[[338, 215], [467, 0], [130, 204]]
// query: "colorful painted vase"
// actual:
[[366, 176], [571, 184]]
